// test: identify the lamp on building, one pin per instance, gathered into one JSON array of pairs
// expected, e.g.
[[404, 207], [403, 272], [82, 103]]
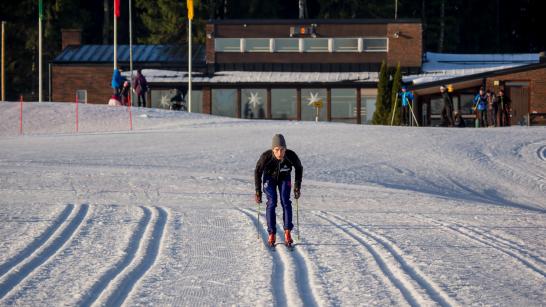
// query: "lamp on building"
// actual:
[[397, 34], [210, 35]]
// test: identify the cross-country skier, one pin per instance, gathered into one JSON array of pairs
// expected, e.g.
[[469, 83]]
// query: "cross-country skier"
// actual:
[[407, 102], [275, 168]]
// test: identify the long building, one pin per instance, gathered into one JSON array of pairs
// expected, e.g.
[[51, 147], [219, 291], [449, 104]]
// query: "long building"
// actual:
[[285, 69]]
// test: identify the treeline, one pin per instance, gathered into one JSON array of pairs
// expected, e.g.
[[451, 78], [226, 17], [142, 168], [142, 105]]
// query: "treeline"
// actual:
[[492, 26]]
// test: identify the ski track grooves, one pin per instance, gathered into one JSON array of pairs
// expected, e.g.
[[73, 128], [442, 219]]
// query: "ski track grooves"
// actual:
[[393, 265], [37, 242], [45, 249], [291, 283], [113, 288], [530, 261], [541, 152]]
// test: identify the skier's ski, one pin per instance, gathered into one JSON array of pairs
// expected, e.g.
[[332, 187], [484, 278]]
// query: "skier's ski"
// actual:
[[289, 246]]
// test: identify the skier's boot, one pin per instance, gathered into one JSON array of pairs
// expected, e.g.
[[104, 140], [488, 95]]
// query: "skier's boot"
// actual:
[[288, 238], [271, 240]]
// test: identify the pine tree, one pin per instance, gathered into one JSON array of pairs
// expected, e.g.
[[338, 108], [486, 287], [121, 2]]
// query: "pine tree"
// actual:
[[164, 20], [395, 91], [381, 114]]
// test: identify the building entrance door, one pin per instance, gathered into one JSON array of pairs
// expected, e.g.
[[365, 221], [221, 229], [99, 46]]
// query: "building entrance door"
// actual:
[[520, 102]]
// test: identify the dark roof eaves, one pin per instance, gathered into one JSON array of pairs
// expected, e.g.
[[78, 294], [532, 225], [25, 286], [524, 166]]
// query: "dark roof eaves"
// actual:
[[311, 21], [481, 75]]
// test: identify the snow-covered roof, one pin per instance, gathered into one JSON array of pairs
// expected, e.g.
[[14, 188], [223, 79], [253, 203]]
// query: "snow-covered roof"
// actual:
[[442, 66], [169, 76], [436, 67]]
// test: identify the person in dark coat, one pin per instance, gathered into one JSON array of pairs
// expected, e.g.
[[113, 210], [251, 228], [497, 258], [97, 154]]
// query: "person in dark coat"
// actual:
[[492, 108], [125, 93], [458, 120], [504, 108], [447, 108], [177, 101], [141, 87], [275, 168]]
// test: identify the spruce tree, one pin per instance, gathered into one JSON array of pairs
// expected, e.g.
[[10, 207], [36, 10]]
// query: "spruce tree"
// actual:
[[395, 91], [381, 114]]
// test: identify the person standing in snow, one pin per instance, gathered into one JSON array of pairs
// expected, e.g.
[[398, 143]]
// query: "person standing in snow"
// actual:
[[125, 92], [141, 87], [492, 108], [407, 99], [275, 168], [480, 107], [117, 81], [504, 109], [447, 109]]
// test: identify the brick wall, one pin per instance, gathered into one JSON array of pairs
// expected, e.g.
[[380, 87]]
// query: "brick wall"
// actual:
[[537, 86], [406, 49], [405, 45], [71, 37], [97, 80]]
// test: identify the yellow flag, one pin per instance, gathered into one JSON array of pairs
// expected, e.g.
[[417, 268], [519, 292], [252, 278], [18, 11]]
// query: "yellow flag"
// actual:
[[189, 4]]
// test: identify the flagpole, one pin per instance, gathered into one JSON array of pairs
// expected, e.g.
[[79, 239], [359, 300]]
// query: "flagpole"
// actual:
[[189, 66], [131, 48], [115, 37], [40, 13], [3, 55], [189, 6]]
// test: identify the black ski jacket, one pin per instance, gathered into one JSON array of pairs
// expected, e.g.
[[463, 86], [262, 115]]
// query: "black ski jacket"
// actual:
[[269, 166]]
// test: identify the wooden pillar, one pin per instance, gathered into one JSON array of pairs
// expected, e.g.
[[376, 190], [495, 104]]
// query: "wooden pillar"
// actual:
[[268, 104], [238, 102], [298, 103], [329, 104], [358, 106]]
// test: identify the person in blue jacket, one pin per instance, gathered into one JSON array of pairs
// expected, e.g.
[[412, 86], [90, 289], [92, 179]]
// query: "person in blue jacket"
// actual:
[[117, 81], [407, 99], [480, 107]]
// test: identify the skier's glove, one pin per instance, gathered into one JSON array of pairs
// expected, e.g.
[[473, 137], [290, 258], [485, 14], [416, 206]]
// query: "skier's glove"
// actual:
[[296, 193], [258, 197]]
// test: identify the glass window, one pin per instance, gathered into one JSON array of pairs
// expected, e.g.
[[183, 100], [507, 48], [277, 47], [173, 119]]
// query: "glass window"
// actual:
[[375, 44], [436, 105], [308, 97], [197, 101], [343, 104], [227, 45], [367, 109], [346, 44], [82, 96], [257, 44], [467, 102], [253, 103], [161, 99], [315, 44], [283, 103], [224, 102], [287, 45]]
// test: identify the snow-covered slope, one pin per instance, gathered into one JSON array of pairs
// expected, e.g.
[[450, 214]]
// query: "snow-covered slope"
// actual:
[[164, 214]]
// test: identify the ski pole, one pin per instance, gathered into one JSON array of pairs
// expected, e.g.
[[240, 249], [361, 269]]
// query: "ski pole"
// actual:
[[394, 109], [258, 213], [414, 118], [298, 217]]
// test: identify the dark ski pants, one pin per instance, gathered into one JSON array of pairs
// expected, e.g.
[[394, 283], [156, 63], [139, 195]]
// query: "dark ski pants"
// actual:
[[270, 188], [405, 115]]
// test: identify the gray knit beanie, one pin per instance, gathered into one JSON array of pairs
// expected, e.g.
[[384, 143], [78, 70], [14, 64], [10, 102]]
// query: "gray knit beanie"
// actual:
[[278, 140]]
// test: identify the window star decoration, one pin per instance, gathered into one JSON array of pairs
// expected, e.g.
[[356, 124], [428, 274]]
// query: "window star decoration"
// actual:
[[314, 100], [255, 100], [165, 101]]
